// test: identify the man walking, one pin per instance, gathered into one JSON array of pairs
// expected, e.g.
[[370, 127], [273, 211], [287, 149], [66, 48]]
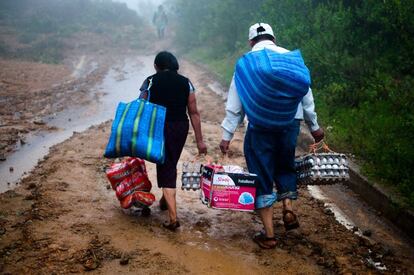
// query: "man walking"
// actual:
[[160, 21], [274, 107]]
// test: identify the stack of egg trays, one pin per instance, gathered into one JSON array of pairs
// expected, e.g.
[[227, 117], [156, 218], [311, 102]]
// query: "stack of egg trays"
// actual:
[[191, 176], [322, 169]]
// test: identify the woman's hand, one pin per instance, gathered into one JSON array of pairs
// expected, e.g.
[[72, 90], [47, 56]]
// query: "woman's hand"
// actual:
[[202, 148]]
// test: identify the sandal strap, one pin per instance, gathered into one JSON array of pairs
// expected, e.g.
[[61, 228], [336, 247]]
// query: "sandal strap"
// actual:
[[172, 226], [264, 237], [288, 212], [288, 222], [261, 240], [285, 212]]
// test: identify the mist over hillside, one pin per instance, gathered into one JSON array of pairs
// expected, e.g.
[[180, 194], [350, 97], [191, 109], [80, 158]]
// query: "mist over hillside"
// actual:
[[144, 8], [43, 30]]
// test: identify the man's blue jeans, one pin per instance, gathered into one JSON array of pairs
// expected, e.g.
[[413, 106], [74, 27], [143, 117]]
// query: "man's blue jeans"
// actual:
[[271, 155]]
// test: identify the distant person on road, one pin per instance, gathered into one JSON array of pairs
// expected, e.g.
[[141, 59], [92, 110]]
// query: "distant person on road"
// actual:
[[269, 148], [175, 92], [160, 21]]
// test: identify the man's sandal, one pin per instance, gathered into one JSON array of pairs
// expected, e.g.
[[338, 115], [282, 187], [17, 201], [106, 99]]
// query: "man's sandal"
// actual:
[[171, 226], [288, 222], [265, 242]]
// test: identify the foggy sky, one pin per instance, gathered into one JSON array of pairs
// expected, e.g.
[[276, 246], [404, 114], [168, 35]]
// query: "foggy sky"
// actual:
[[136, 4]]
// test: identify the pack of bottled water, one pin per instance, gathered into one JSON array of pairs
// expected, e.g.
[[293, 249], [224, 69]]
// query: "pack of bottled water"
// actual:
[[190, 178], [322, 168]]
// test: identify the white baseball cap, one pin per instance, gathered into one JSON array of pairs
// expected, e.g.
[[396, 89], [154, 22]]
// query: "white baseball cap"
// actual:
[[259, 29]]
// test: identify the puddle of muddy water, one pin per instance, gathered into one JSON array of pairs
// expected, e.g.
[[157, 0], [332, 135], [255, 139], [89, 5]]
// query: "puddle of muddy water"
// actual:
[[120, 84]]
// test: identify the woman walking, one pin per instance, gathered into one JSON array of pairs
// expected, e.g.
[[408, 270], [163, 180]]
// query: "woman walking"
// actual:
[[175, 92]]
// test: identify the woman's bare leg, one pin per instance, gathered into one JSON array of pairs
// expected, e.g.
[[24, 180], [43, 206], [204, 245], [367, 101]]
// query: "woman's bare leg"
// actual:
[[169, 195]]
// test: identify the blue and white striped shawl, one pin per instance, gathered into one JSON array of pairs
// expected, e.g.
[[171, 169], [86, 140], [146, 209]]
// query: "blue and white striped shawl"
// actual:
[[271, 85]]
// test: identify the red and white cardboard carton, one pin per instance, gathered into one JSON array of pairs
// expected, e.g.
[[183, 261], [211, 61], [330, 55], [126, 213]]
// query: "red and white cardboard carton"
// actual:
[[222, 190]]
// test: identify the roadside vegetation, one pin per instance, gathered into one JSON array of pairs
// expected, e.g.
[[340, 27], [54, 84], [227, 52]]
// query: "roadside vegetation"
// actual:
[[43, 30], [361, 58]]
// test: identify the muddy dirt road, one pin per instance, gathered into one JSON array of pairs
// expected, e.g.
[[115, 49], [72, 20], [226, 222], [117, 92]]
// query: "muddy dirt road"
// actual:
[[30, 93], [64, 218], [89, 99]]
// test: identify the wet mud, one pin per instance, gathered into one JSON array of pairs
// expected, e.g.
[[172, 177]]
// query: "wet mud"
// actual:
[[63, 218], [31, 94]]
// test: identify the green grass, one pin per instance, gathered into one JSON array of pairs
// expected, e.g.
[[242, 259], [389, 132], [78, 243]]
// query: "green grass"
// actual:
[[223, 67]]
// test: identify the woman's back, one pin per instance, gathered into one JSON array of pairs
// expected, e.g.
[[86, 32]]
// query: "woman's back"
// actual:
[[171, 90]]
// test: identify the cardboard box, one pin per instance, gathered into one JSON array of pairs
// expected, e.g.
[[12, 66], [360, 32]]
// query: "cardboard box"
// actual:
[[222, 190]]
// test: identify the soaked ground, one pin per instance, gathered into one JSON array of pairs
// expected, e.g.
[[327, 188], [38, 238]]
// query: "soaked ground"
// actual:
[[365, 220], [120, 84], [63, 217]]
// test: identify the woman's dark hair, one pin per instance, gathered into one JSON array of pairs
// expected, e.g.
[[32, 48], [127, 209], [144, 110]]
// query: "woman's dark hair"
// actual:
[[166, 61]]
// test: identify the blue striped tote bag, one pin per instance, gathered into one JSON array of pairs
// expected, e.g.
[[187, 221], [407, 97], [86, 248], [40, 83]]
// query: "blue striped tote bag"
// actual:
[[138, 131]]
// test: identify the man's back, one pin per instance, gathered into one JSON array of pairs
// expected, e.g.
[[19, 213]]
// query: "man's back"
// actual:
[[306, 108], [267, 44]]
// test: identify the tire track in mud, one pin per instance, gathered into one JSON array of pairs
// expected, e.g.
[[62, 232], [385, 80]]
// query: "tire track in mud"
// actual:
[[64, 218]]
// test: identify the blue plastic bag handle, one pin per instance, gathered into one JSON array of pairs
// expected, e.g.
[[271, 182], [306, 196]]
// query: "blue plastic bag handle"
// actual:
[[148, 89]]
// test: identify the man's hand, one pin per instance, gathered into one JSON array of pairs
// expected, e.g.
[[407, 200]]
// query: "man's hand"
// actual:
[[318, 135], [224, 146], [202, 148]]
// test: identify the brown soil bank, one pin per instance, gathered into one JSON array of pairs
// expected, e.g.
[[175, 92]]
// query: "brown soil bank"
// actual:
[[30, 91], [64, 218], [24, 97]]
